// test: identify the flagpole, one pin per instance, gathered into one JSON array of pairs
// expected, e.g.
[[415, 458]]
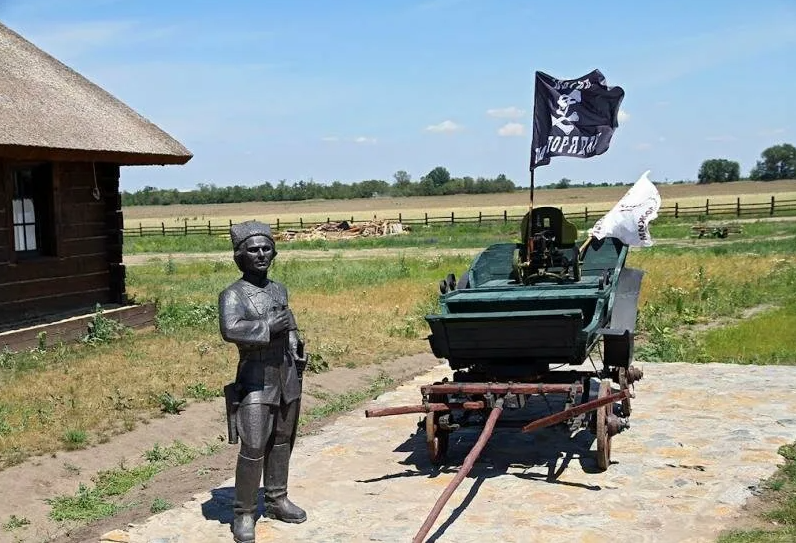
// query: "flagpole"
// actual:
[[529, 228]]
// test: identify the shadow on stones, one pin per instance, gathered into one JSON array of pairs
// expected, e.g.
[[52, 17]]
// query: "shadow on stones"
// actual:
[[458, 511], [219, 506], [543, 455]]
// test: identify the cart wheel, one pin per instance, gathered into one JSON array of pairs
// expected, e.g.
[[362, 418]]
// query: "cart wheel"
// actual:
[[436, 439], [624, 386], [603, 437]]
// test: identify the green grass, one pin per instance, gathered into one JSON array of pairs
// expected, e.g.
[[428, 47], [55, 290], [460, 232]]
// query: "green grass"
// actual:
[[466, 235], [667, 323], [75, 439], [97, 502], [15, 522], [197, 243], [332, 404], [681, 229], [453, 236], [780, 494], [103, 498], [769, 338], [159, 505], [761, 246], [350, 313], [189, 298]]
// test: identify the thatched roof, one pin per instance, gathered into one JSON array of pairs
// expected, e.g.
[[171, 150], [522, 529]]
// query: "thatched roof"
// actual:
[[47, 110]]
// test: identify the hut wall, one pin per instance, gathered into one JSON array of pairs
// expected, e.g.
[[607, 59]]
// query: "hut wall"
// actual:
[[5, 232], [85, 264]]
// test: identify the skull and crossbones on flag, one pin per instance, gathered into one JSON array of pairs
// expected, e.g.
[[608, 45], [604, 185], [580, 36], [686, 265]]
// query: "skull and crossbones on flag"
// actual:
[[573, 117], [561, 119]]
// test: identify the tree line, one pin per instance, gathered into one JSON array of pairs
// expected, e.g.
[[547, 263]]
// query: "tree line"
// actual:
[[776, 162], [436, 182]]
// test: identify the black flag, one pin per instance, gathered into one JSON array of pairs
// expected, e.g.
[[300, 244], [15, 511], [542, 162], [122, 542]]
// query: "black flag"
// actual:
[[573, 117]]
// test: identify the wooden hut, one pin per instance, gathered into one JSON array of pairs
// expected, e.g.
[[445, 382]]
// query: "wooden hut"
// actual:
[[62, 142]]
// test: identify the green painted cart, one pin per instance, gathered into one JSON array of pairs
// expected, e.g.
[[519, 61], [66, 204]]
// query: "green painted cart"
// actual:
[[548, 315]]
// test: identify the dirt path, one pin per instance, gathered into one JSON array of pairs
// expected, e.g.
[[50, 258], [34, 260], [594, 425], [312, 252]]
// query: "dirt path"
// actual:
[[701, 439], [26, 486]]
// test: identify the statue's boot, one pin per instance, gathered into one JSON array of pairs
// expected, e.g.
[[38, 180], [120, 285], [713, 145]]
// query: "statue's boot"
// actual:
[[275, 483], [247, 483]]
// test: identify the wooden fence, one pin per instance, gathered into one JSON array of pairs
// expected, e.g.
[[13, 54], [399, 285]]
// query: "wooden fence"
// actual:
[[585, 216]]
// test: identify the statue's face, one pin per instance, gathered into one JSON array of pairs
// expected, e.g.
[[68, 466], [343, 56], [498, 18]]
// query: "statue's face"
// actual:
[[257, 254]]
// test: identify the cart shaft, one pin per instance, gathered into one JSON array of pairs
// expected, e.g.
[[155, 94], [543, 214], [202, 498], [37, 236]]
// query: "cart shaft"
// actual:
[[575, 411], [465, 469], [424, 408]]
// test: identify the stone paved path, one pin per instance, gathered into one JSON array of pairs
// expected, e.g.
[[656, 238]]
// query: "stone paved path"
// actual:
[[701, 438]]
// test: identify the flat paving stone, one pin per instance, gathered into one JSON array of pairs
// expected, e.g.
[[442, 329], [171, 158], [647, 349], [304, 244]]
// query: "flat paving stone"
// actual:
[[701, 438]]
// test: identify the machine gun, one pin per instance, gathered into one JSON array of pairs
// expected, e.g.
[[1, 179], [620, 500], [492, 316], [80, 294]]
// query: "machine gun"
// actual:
[[550, 254]]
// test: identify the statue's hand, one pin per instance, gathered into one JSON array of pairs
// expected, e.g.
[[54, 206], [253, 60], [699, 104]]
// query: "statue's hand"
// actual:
[[278, 322]]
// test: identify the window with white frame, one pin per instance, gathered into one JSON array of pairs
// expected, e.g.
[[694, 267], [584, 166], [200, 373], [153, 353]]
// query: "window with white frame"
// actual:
[[24, 211], [31, 208]]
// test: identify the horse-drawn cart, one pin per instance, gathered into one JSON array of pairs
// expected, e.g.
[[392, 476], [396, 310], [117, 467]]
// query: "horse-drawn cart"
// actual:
[[547, 316]]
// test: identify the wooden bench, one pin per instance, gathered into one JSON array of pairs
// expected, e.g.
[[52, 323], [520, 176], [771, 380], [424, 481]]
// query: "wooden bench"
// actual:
[[715, 231]]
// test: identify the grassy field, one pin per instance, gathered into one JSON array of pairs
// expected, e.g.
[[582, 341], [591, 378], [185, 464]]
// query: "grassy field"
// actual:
[[573, 199], [90, 392], [438, 236], [702, 301]]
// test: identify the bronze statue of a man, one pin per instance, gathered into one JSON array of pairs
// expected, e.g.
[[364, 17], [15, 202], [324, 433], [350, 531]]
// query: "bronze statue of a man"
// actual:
[[264, 400]]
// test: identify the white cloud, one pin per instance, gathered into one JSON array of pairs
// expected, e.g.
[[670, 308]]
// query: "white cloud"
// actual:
[[643, 146], [510, 112], [512, 129], [661, 139], [359, 139], [623, 115], [724, 137], [444, 126], [771, 132]]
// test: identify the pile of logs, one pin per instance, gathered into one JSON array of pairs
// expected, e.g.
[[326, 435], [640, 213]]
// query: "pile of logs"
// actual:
[[343, 230]]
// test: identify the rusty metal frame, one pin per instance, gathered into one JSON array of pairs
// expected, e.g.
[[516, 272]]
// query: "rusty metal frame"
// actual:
[[496, 409], [497, 388]]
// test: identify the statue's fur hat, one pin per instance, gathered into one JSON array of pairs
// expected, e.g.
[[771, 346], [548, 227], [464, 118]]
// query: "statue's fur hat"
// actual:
[[242, 231]]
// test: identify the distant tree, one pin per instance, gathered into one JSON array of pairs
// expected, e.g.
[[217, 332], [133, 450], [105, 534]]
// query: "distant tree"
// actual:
[[403, 184], [402, 178], [438, 177], [438, 181], [778, 162], [719, 170], [564, 183]]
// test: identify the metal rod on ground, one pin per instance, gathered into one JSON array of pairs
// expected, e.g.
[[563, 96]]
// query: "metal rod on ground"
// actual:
[[463, 471]]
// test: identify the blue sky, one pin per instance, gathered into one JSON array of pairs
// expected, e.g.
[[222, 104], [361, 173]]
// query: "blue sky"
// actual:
[[357, 89]]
